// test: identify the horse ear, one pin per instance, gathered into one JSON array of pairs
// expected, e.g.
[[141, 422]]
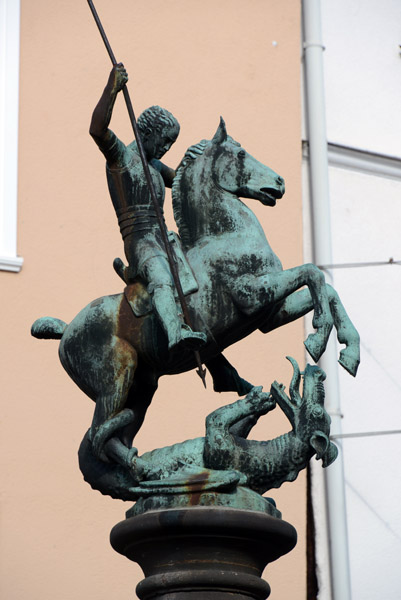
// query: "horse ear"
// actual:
[[221, 134]]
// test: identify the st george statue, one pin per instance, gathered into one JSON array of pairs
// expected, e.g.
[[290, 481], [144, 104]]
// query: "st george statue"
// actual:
[[116, 352], [143, 244]]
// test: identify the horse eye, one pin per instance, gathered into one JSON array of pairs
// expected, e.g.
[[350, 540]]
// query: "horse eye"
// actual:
[[242, 154]]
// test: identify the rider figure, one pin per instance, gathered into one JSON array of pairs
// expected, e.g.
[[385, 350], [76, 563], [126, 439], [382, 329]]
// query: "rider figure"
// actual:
[[143, 245]]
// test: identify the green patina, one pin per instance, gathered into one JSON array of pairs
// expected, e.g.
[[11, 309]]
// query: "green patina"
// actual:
[[118, 346]]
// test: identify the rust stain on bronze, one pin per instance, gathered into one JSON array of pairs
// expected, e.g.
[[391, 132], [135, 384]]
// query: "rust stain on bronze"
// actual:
[[196, 486], [129, 327]]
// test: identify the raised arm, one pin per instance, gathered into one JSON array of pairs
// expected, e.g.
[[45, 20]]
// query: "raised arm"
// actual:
[[108, 143]]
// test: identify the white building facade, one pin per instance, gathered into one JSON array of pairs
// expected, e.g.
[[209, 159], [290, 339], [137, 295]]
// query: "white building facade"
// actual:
[[362, 87]]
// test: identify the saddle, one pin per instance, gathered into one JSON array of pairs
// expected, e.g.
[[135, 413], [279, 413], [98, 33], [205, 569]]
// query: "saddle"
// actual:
[[136, 291]]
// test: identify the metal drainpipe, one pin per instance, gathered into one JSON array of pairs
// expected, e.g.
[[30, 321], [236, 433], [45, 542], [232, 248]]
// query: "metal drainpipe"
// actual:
[[321, 232]]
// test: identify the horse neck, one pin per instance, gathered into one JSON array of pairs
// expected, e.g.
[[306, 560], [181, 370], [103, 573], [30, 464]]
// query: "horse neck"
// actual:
[[216, 212]]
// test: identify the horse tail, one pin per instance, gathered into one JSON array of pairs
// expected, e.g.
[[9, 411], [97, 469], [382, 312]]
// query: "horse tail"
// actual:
[[48, 328]]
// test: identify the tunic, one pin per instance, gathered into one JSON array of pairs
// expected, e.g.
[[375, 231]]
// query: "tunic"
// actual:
[[134, 208]]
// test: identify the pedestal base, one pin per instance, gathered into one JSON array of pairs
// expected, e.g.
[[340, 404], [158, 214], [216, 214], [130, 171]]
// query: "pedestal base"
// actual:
[[203, 553]]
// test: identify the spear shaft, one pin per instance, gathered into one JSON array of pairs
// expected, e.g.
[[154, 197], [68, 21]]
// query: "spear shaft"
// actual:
[[163, 229]]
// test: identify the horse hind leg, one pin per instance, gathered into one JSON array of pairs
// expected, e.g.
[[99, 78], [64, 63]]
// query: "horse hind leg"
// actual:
[[111, 414], [127, 423], [105, 431], [140, 396]]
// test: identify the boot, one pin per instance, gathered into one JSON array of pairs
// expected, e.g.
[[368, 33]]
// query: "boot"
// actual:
[[179, 335]]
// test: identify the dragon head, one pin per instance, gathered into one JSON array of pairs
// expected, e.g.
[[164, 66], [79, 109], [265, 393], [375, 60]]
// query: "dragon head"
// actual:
[[306, 412]]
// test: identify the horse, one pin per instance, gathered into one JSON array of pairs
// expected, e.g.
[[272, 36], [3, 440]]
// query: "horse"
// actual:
[[117, 358]]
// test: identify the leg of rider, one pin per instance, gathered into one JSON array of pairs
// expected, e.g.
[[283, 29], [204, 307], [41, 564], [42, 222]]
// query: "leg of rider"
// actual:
[[166, 309], [157, 273], [160, 286]]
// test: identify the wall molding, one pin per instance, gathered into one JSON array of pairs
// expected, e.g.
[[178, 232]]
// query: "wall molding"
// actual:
[[13, 264], [363, 161]]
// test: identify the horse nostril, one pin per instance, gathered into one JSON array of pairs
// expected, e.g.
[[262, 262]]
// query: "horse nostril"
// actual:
[[279, 180]]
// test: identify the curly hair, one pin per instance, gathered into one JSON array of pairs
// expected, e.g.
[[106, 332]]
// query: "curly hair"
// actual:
[[156, 118]]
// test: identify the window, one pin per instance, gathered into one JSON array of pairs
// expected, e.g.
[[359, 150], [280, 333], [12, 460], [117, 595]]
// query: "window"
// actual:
[[9, 79]]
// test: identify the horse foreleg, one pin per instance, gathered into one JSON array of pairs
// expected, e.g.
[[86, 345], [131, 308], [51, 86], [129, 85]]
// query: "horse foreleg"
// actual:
[[300, 303], [274, 288], [346, 333]]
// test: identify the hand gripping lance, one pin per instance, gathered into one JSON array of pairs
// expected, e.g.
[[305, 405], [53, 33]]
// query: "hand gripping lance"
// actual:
[[163, 229]]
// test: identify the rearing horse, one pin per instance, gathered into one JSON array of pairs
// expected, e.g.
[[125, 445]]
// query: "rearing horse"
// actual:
[[117, 358]]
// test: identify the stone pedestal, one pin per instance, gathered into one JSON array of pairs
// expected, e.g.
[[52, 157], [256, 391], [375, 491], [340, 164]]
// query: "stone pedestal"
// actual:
[[203, 553]]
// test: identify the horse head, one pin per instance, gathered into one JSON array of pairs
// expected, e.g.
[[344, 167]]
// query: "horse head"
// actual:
[[209, 180], [237, 172]]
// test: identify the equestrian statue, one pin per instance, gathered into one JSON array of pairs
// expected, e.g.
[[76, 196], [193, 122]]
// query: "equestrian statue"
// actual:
[[230, 283]]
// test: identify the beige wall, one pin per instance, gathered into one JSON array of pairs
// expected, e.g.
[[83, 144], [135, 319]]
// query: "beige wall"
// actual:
[[199, 60]]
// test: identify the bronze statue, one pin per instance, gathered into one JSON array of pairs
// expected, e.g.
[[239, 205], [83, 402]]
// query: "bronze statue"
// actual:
[[118, 346], [117, 356]]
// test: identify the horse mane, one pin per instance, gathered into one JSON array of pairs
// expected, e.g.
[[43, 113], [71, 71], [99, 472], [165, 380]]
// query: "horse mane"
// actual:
[[179, 188]]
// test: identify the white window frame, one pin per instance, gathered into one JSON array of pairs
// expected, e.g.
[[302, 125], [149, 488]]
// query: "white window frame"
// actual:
[[9, 104]]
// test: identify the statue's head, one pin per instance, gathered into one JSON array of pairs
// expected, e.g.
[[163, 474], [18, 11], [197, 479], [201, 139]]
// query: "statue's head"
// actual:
[[159, 129]]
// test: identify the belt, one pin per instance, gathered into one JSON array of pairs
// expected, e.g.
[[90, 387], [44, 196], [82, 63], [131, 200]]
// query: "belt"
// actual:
[[136, 219]]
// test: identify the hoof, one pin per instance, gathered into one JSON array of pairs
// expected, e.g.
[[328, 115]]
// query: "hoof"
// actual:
[[314, 348], [350, 363]]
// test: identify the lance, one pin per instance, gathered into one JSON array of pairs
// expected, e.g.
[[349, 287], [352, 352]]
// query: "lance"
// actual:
[[163, 229]]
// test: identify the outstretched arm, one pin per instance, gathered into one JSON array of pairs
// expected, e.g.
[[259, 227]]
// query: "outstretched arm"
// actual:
[[108, 143]]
